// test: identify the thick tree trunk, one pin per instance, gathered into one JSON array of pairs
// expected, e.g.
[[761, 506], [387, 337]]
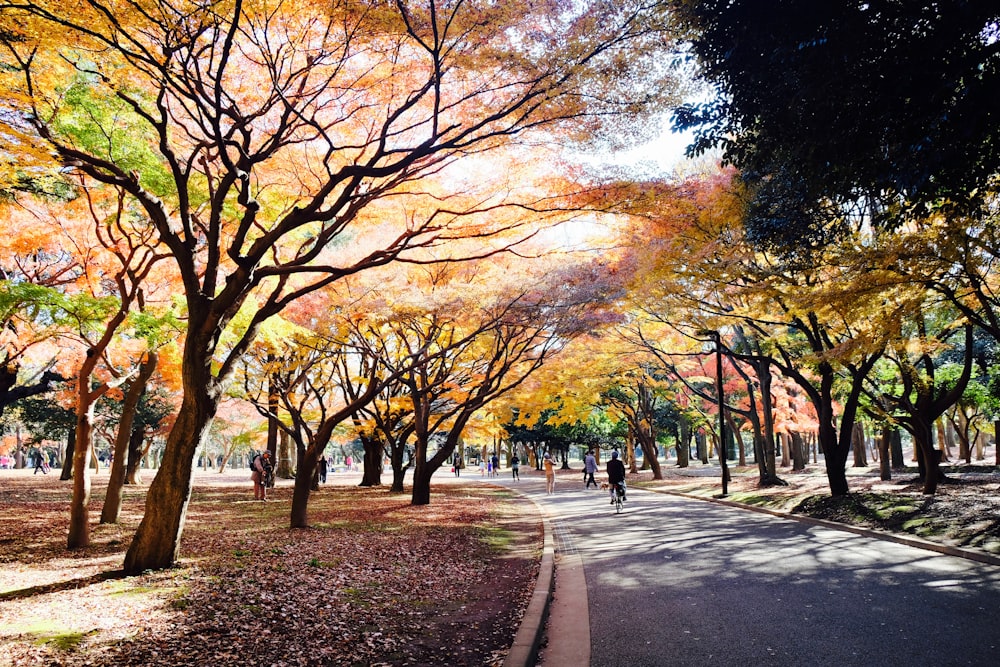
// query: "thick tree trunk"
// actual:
[[156, 544], [928, 458], [649, 458], [897, 460], [303, 487], [371, 473]]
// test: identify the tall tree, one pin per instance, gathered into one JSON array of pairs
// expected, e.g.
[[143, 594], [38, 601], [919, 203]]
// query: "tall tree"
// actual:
[[847, 111], [276, 132]]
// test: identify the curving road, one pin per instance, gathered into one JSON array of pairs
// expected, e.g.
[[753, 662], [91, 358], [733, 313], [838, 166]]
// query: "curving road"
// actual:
[[674, 581]]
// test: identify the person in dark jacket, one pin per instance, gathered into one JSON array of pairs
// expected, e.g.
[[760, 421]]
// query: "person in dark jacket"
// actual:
[[616, 475]]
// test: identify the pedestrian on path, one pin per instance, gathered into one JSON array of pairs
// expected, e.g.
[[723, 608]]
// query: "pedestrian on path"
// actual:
[[457, 462], [550, 474], [495, 462], [589, 468], [515, 465], [41, 463], [616, 475]]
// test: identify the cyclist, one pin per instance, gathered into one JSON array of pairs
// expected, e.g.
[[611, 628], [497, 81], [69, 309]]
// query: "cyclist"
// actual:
[[616, 475]]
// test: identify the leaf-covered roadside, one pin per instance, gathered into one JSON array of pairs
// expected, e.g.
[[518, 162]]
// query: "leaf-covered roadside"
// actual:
[[374, 581]]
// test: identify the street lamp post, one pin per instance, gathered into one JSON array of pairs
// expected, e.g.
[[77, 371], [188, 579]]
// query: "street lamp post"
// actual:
[[717, 341]]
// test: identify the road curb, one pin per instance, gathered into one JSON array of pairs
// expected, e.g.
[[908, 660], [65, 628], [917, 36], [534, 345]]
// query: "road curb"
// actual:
[[524, 651], [908, 540]]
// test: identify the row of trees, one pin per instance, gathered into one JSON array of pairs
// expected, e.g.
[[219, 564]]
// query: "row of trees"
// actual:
[[253, 153], [359, 219]]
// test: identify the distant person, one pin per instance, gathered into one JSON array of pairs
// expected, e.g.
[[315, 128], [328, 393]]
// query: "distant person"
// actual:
[[515, 465], [41, 463], [589, 468], [495, 460], [482, 467], [323, 467], [348, 463], [261, 469], [550, 474], [616, 475], [457, 463]]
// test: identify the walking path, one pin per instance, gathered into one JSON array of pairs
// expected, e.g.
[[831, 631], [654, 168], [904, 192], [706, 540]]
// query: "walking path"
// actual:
[[675, 581]]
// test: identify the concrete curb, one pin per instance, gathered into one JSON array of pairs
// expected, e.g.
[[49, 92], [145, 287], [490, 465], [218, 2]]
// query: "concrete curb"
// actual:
[[524, 651], [857, 530]]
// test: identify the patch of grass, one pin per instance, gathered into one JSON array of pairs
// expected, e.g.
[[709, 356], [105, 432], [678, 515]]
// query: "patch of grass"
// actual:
[[919, 526], [497, 539], [316, 562], [47, 633]]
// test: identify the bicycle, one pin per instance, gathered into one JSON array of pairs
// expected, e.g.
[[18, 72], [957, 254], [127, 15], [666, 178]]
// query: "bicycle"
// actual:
[[619, 497]]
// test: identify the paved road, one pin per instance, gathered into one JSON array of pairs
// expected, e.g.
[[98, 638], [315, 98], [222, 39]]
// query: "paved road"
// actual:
[[673, 581]]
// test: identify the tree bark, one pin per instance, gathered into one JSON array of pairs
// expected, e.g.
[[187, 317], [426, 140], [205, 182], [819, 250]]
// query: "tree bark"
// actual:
[[116, 482], [67, 470], [156, 544], [884, 443], [371, 473]]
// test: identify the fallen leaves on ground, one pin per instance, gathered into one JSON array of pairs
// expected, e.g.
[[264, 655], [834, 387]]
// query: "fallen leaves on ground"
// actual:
[[374, 581]]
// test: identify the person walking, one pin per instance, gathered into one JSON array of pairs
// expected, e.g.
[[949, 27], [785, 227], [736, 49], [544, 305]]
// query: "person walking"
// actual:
[[515, 465], [457, 463], [41, 463], [495, 460], [323, 467], [616, 475], [550, 474], [589, 468]]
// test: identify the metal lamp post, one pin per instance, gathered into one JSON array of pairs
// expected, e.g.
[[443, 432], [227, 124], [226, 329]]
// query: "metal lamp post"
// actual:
[[717, 341]]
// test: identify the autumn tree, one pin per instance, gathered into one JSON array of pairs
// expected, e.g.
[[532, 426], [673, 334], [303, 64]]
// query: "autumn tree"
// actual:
[[272, 133]]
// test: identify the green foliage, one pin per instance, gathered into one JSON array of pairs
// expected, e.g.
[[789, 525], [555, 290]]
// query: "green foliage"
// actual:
[[45, 419], [825, 105], [106, 126]]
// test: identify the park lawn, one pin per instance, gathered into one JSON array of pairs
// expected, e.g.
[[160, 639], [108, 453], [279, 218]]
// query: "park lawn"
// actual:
[[373, 581]]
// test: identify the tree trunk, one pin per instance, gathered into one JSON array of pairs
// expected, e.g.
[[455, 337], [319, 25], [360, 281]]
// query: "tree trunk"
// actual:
[[304, 473], [859, 446], [682, 436], [928, 458], [996, 442], [884, 444], [67, 470], [116, 482], [649, 458], [79, 515], [284, 468], [371, 473], [137, 449], [157, 541], [897, 460], [798, 451]]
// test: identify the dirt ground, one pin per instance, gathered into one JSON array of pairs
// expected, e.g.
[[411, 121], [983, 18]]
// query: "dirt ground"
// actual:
[[373, 582]]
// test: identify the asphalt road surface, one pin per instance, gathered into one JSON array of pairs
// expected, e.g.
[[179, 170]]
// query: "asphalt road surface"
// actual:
[[673, 581]]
